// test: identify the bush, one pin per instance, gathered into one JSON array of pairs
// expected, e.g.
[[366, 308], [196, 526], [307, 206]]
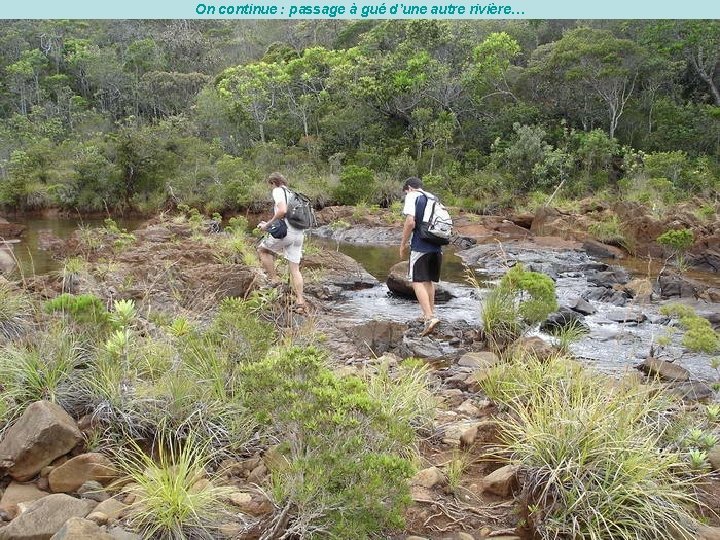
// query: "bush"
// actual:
[[357, 185], [699, 334], [83, 308], [345, 475], [590, 453], [541, 288]]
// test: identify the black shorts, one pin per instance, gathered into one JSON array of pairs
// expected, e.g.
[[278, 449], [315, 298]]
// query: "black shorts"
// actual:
[[425, 266]]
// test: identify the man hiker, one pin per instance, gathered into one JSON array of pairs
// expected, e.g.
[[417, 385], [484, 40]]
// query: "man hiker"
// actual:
[[290, 247], [425, 258]]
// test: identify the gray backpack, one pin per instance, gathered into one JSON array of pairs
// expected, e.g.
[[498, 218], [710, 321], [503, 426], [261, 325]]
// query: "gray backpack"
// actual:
[[300, 213]]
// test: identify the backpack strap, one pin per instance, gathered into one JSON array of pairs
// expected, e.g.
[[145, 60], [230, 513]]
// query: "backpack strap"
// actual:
[[429, 198]]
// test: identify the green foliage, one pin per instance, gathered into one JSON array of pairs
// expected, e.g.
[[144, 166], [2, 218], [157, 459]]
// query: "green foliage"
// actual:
[[83, 308], [699, 334], [679, 240], [39, 371], [541, 302], [170, 501], [608, 231], [590, 447], [345, 476], [356, 185]]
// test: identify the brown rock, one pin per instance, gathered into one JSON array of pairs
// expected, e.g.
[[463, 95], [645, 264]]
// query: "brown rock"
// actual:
[[19, 493], [43, 433], [708, 533], [428, 478], [112, 508], [501, 482], [81, 529], [68, 477], [254, 504], [666, 371], [46, 517], [479, 360], [535, 346]]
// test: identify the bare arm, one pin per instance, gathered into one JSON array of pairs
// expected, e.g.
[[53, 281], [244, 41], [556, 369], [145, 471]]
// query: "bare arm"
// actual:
[[408, 227]]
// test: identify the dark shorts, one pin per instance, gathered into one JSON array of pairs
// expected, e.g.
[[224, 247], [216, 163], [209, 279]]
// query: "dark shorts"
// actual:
[[425, 266]]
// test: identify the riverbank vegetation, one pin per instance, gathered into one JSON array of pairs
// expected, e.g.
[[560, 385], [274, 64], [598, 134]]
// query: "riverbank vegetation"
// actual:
[[142, 115]]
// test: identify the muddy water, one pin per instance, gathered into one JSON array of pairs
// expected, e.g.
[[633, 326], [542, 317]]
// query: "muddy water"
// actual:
[[33, 260]]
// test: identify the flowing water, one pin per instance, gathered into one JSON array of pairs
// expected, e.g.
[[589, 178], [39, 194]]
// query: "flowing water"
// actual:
[[610, 346]]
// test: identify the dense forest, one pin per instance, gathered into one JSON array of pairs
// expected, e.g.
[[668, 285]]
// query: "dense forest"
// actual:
[[144, 115]]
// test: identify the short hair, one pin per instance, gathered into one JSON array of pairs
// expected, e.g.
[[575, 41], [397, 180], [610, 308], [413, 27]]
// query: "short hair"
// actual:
[[412, 182], [277, 179]]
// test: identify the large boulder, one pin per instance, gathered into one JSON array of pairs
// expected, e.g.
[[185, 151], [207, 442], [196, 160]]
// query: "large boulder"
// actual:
[[666, 371], [68, 477], [17, 493], [339, 269], [43, 433], [561, 319], [45, 517], [399, 284]]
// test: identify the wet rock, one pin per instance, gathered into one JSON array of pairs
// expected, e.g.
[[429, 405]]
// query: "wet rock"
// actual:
[[691, 391], [422, 347], [43, 433], [339, 270], [614, 275], [68, 477], [80, 529], [626, 316], [582, 306], [597, 293], [602, 251], [618, 298], [561, 319], [501, 482], [398, 283], [45, 517], [666, 371], [677, 286]]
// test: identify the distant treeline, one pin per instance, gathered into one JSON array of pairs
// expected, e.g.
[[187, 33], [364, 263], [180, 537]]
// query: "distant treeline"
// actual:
[[114, 115]]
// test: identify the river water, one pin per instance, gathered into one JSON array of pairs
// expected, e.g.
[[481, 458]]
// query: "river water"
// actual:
[[610, 346]]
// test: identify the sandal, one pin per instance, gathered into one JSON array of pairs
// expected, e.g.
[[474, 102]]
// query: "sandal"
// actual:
[[301, 309]]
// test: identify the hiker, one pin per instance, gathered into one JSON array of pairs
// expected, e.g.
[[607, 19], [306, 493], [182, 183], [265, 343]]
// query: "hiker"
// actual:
[[425, 257], [290, 246]]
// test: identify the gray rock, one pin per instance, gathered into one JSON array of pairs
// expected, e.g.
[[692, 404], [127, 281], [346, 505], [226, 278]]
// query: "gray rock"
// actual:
[[667, 371], [582, 306], [398, 284], [691, 391], [561, 319], [626, 316]]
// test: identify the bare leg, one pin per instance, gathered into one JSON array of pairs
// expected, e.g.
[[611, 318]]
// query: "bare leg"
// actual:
[[296, 280], [267, 260], [422, 291], [431, 295]]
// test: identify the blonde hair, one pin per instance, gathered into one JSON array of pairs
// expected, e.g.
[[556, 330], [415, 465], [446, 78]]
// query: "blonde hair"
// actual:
[[277, 179]]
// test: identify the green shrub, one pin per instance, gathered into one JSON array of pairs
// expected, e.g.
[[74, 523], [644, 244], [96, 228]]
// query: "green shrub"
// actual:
[[540, 288], [500, 318], [679, 240], [83, 308], [356, 185], [345, 475], [699, 334]]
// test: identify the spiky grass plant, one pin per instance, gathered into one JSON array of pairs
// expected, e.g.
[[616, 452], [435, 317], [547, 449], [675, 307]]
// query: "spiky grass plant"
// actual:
[[170, 501], [124, 313], [456, 467], [15, 312], [500, 319], [568, 334], [405, 395], [591, 459], [38, 371]]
